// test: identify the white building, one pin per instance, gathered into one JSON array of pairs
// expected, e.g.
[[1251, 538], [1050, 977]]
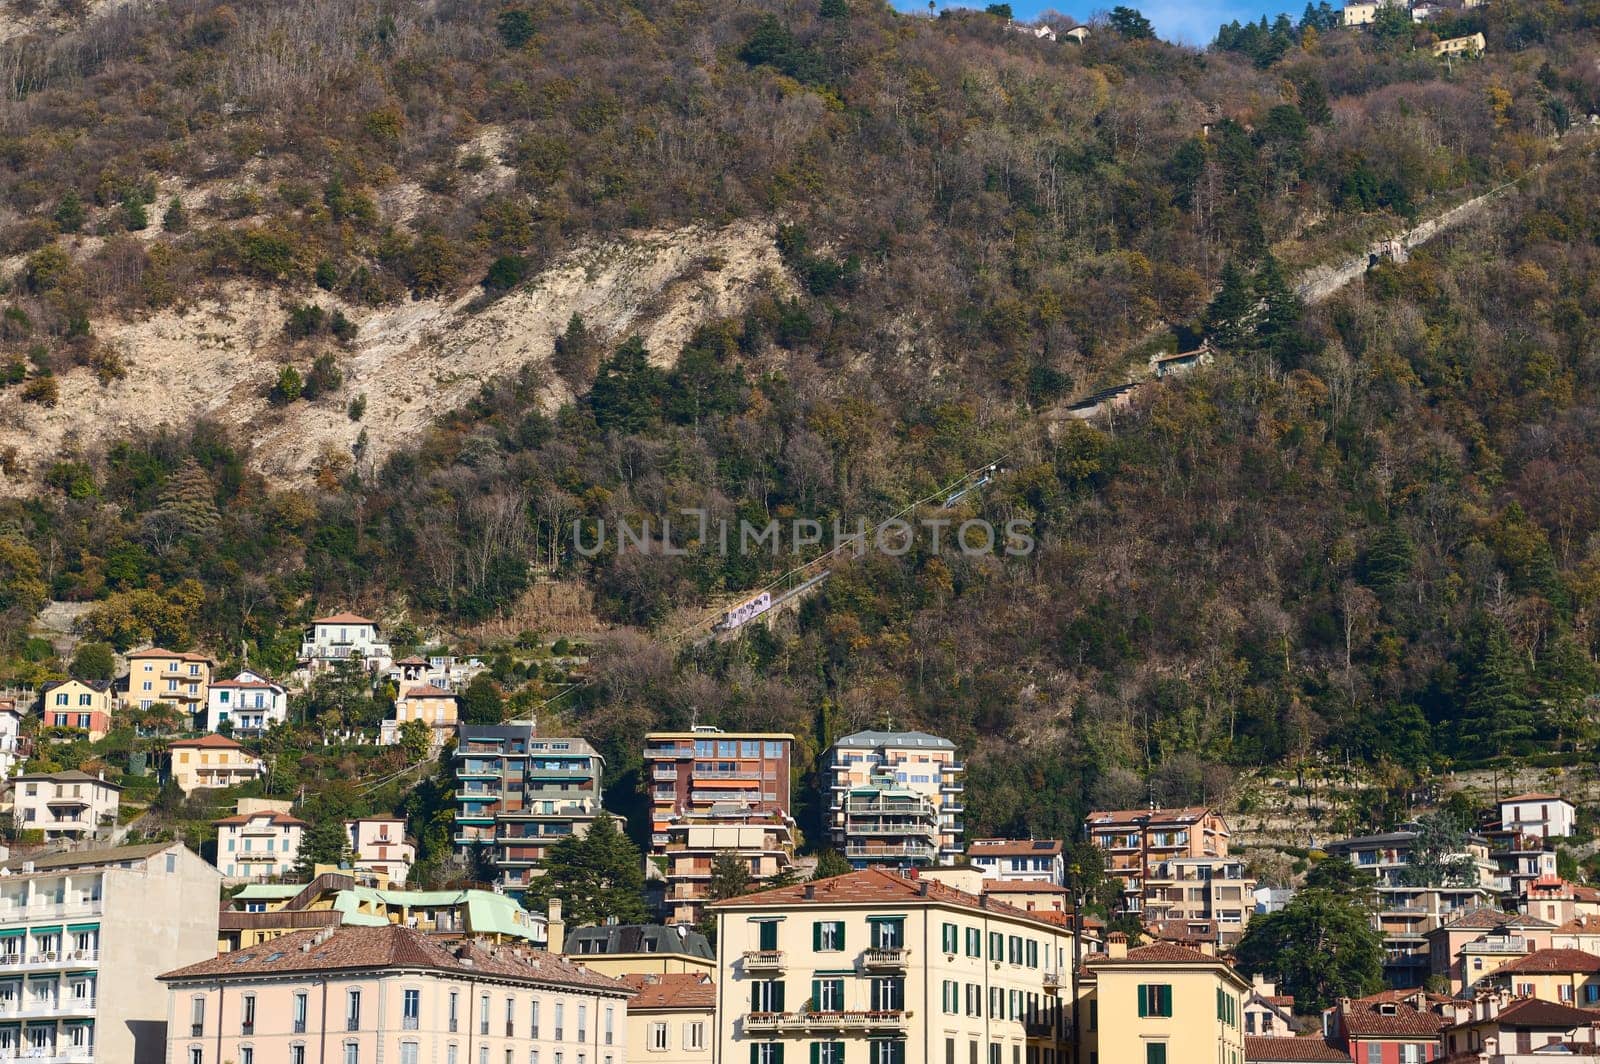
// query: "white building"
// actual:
[[258, 845], [250, 701], [64, 805], [82, 938], [1548, 816], [10, 732], [380, 845], [1019, 860], [344, 637], [895, 798]]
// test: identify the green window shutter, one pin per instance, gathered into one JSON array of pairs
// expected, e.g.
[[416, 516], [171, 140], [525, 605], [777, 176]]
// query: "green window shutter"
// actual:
[[777, 1053], [1166, 1004], [816, 994], [838, 935], [816, 936], [1144, 1001], [755, 999], [816, 1053], [754, 1051], [838, 1053], [1155, 1053], [768, 935], [777, 995]]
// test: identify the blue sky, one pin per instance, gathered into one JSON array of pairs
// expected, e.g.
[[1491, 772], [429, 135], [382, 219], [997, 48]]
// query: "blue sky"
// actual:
[[1189, 21]]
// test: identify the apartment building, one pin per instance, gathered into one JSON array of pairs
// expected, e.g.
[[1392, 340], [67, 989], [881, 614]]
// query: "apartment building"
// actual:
[[671, 1018], [360, 995], [1464, 950], [1020, 860], [211, 761], [1567, 976], [344, 637], [1137, 840], [249, 703], [1193, 889], [518, 793], [717, 792], [175, 679], [83, 937], [380, 845], [1506, 1030], [1161, 1004], [433, 706], [1392, 1027], [64, 805], [1558, 901], [1549, 816], [11, 747], [262, 844], [638, 949], [78, 704], [877, 968], [1267, 1013], [894, 797]]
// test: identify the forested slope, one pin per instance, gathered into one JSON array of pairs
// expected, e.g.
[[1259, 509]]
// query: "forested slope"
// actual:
[[1366, 528]]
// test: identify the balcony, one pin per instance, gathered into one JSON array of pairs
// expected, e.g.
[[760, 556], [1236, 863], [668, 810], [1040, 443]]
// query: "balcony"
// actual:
[[887, 853], [665, 772], [928, 831], [50, 910], [1515, 946], [763, 960], [72, 958], [885, 957], [779, 1022], [61, 1055], [30, 1008], [1052, 982], [726, 774]]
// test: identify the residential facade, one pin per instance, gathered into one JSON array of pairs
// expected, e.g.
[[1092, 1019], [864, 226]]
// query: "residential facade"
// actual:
[[717, 792], [1136, 841], [894, 797], [1393, 1027], [1549, 816], [78, 704], [1160, 1004], [250, 703], [671, 1017], [181, 680], [1506, 1030], [211, 761], [638, 949], [381, 846], [1267, 1013], [68, 805], [1565, 976], [11, 752], [1202, 888], [877, 968], [1019, 860], [1476, 943], [344, 637], [433, 706], [518, 793], [357, 995], [258, 845], [83, 937]]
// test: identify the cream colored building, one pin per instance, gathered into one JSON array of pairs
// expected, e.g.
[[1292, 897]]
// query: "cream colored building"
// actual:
[[434, 706], [876, 968], [263, 844], [1161, 1004], [64, 805], [671, 1018], [212, 761], [1471, 45], [380, 845], [83, 937], [363, 995], [157, 675]]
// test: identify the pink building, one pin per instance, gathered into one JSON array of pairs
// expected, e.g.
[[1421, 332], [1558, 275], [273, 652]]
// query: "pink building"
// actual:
[[380, 845], [359, 995]]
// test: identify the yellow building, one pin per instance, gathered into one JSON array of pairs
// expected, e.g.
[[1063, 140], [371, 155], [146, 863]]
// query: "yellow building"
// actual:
[[156, 675], [1161, 1004], [671, 1018], [1567, 976], [877, 968], [433, 706], [76, 704], [211, 761]]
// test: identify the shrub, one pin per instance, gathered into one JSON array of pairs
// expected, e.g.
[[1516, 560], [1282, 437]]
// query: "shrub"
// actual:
[[325, 377], [515, 26], [288, 387], [307, 319], [69, 214], [505, 273], [357, 408], [41, 390], [176, 218]]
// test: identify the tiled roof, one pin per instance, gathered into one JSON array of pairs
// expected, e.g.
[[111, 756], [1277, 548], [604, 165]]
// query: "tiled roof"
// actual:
[[1488, 918], [393, 946], [93, 685], [674, 990], [208, 742], [624, 939], [245, 685], [1108, 817], [1260, 1049], [871, 740], [1553, 962], [426, 690], [875, 886], [1014, 848], [72, 775], [1184, 930], [1366, 1021], [1163, 953], [1532, 796], [85, 858], [342, 618], [282, 819], [1533, 1012]]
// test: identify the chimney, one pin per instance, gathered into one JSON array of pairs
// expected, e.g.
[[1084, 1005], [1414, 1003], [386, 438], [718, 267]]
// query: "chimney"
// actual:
[[922, 888], [1117, 946], [555, 929], [1209, 948], [811, 892]]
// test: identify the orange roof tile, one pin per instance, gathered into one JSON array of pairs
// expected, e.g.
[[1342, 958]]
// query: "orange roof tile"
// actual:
[[1262, 1049], [673, 990], [343, 618], [209, 742], [1553, 961]]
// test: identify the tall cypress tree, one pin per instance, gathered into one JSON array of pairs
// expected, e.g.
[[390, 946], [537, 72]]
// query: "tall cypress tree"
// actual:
[[1496, 713]]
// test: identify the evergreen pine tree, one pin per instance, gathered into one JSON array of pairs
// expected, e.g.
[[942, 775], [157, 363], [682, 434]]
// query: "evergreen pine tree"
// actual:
[[1279, 316], [69, 216], [598, 876], [1227, 319], [324, 843], [1496, 714]]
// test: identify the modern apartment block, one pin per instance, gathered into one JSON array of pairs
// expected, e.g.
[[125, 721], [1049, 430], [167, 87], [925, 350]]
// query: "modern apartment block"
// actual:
[[64, 805], [1138, 840], [895, 798], [358, 995], [518, 793], [717, 792], [83, 937], [1213, 889], [875, 968]]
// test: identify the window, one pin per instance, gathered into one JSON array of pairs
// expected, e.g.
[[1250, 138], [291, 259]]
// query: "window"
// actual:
[[197, 1016], [888, 1051], [352, 1053], [196, 1055], [766, 934], [974, 999], [455, 1008], [533, 1021], [299, 1013], [766, 1053], [408, 1053], [583, 1023], [974, 942], [950, 997], [561, 1010], [827, 936], [247, 1014], [949, 1051], [610, 1023], [511, 1023], [658, 1037], [483, 1014], [827, 1053], [1155, 999], [1014, 949], [297, 1054], [950, 938], [1411, 1053], [1374, 1053], [997, 945], [1033, 954], [247, 1055], [766, 995], [1155, 1053], [994, 1053], [828, 994], [694, 1035], [888, 994], [889, 934], [411, 1010]]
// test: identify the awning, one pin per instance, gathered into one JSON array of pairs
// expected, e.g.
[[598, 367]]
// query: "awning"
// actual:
[[76, 928], [13, 932], [56, 930]]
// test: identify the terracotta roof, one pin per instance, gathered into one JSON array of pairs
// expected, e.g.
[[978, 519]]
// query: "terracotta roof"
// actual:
[[1021, 886], [426, 690], [1553, 962], [1014, 848], [1157, 953], [72, 775], [1534, 1012], [1533, 796], [93, 685], [393, 946], [158, 652], [1128, 817], [412, 661], [872, 886], [246, 684], [272, 818], [209, 742], [1488, 918], [343, 618], [1268, 1050], [1184, 930], [1366, 1021], [674, 990]]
